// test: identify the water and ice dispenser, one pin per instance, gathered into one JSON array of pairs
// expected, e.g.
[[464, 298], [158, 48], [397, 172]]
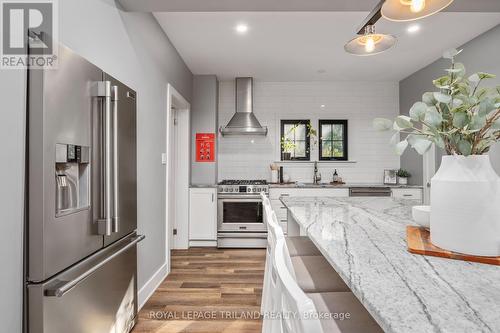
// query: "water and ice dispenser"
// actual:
[[72, 172]]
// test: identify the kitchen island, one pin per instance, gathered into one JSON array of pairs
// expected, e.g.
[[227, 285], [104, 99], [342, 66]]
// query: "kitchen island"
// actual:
[[364, 239]]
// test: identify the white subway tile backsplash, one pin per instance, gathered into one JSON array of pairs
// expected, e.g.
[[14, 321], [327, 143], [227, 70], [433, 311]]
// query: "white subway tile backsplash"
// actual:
[[359, 102]]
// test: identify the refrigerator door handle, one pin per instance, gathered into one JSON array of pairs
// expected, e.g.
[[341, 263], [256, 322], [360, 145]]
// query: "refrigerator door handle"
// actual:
[[103, 91], [62, 287], [114, 101]]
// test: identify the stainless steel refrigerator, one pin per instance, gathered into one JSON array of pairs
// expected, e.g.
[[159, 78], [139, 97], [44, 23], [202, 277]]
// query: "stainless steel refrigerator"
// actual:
[[81, 239]]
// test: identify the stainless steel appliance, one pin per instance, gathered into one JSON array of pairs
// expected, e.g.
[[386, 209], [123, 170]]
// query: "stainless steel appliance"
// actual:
[[81, 240], [243, 121], [370, 192], [240, 222]]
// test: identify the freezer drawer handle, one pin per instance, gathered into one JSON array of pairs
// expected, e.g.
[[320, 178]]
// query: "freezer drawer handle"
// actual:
[[64, 286]]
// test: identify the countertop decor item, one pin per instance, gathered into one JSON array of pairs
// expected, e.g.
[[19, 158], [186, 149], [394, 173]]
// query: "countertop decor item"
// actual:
[[418, 240], [421, 215], [463, 119], [390, 177], [403, 176]]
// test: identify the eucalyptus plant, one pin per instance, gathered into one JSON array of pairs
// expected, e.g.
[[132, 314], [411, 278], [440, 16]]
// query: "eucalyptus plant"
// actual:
[[461, 118]]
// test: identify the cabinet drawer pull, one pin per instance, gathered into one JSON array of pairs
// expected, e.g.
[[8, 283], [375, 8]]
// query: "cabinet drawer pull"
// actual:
[[407, 195], [285, 195]]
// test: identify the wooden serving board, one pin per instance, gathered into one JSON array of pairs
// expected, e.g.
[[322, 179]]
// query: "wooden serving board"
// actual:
[[419, 242]]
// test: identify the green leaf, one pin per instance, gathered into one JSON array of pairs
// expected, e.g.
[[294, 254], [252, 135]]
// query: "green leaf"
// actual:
[[496, 124], [442, 82], [382, 124], [419, 143], [403, 122], [460, 119], [483, 75], [457, 102], [394, 139], [451, 53], [438, 140], [428, 98], [442, 98], [401, 147], [474, 78], [458, 69], [433, 117], [417, 111], [477, 122], [465, 147], [486, 106]]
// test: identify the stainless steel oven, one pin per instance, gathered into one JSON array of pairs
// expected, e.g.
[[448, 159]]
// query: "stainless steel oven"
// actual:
[[240, 214]]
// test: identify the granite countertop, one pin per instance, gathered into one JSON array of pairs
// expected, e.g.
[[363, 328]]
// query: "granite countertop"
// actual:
[[364, 239], [346, 185]]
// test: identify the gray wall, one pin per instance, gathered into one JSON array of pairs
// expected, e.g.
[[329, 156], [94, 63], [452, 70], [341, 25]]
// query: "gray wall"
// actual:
[[204, 119], [479, 54], [133, 48]]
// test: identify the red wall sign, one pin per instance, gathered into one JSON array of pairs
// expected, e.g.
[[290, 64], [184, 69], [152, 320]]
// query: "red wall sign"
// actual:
[[205, 147]]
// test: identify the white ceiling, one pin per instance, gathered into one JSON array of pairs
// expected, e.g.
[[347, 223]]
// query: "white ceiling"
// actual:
[[285, 5], [294, 46]]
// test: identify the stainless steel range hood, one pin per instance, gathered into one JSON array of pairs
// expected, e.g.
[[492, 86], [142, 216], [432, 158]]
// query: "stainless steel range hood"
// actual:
[[244, 121]]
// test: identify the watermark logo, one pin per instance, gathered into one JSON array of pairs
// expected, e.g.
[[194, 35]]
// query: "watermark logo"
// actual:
[[29, 34]]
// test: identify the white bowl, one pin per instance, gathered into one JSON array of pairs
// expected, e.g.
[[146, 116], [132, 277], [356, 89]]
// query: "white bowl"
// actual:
[[421, 215]]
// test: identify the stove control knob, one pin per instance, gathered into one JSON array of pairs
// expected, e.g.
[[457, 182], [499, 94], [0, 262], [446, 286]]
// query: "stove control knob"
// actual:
[[236, 190], [254, 189], [225, 190], [230, 190]]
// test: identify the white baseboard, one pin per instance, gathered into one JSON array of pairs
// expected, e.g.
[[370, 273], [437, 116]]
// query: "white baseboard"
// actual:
[[203, 243], [152, 284]]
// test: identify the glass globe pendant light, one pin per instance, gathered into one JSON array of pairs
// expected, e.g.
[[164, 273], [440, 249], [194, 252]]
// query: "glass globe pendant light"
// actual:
[[370, 43], [409, 10]]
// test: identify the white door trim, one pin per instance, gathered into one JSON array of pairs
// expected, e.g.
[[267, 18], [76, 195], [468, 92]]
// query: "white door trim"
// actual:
[[429, 169], [179, 196]]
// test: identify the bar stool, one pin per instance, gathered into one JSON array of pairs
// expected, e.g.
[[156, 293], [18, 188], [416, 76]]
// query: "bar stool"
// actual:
[[300, 311]]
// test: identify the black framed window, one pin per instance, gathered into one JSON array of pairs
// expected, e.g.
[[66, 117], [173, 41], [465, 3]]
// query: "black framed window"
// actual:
[[295, 140], [333, 140]]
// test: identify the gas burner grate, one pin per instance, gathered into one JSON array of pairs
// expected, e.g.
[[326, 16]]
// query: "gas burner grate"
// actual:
[[242, 182]]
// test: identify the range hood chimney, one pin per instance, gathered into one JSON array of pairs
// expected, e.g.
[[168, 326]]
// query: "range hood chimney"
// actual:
[[244, 121]]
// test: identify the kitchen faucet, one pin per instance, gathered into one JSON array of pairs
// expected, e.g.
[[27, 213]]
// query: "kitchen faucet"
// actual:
[[317, 175]]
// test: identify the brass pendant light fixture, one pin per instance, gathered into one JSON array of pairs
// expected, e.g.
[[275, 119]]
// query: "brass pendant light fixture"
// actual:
[[409, 10], [370, 43]]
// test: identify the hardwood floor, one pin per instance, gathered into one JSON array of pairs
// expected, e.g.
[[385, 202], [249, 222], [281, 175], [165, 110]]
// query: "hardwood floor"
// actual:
[[209, 290]]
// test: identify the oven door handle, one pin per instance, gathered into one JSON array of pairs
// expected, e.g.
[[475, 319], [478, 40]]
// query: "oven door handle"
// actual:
[[239, 196]]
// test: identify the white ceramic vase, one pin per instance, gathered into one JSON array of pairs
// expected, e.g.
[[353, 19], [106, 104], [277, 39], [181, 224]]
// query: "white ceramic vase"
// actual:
[[465, 206]]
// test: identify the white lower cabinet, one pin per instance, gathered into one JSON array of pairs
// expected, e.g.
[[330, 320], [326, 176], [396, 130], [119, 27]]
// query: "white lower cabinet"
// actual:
[[202, 216], [407, 193]]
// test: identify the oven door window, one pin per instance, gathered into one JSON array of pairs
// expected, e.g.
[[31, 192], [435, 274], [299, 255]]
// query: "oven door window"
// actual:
[[242, 212]]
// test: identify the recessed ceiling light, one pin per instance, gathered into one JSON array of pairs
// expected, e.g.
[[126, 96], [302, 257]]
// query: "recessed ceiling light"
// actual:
[[322, 106], [321, 71], [241, 28], [413, 28]]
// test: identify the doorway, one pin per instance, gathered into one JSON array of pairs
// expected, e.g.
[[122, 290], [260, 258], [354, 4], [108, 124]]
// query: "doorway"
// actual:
[[177, 171]]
